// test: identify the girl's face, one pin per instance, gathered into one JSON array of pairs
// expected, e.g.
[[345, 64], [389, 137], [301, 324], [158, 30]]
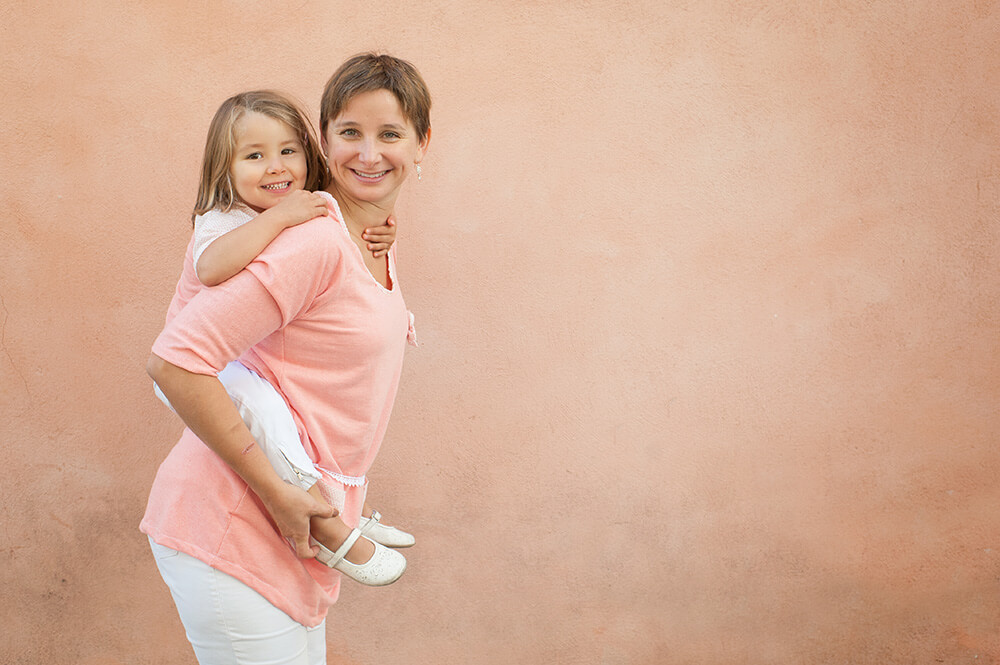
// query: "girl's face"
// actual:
[[371, 148], [268, 163]]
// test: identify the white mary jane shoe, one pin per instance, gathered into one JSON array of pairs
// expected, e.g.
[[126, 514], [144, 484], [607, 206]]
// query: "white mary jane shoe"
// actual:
[[384, 567], [389, 536]]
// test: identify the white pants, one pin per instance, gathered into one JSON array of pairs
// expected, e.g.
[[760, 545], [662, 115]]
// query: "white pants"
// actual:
[[228, 623], [266, 415]]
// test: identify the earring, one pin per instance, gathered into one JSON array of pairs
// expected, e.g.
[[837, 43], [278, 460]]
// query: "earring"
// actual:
[[420, 175]]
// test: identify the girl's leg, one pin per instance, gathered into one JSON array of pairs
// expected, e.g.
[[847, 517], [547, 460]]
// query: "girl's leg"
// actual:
[[331, 531], [228, 623], [266, 415]]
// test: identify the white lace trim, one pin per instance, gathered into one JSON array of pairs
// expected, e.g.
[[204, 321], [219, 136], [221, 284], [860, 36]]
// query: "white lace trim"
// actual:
[[350, 481]]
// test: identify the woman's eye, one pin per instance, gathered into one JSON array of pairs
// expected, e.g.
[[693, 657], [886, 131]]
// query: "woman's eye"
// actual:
[[392, 135], [349, 132]]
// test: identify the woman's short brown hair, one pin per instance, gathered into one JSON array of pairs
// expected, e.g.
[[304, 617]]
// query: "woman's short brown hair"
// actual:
[[366, 72], [215, 190]]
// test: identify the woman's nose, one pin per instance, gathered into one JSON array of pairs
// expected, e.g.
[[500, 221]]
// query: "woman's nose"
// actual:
[[369, 152]]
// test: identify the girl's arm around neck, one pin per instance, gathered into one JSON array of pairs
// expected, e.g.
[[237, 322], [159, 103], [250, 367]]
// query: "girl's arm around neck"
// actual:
[[233, 251]]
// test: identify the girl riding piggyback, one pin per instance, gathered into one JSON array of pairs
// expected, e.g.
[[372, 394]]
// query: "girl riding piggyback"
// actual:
[[260, 175]]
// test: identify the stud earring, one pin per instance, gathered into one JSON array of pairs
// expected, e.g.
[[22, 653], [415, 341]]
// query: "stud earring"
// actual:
[[420, 175]]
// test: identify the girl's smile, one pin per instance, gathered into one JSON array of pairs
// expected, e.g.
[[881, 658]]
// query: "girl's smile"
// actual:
[[268, 162]]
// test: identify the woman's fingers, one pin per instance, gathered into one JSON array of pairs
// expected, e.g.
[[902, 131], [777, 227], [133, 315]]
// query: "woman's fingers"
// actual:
[[291, 508], [303, 549], [325, 510]]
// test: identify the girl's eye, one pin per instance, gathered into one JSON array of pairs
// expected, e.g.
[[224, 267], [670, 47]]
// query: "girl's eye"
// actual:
[[288, 151], [254, 155]]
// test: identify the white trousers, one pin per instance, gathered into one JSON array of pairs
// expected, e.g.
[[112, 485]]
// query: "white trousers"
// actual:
[[266, 415], [228, 623]]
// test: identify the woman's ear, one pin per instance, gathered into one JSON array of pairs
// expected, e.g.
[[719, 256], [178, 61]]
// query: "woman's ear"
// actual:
[[422, 146]]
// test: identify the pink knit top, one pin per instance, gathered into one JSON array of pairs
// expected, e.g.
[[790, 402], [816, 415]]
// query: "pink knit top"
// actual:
[[307, 316]]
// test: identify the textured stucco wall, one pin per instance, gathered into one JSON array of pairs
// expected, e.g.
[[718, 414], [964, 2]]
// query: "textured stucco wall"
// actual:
[[708, 302]]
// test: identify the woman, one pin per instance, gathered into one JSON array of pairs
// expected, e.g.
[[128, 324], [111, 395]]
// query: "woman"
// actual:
[[323, 321]]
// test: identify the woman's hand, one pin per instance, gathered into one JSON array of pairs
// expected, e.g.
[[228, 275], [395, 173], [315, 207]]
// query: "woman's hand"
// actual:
[[291, 508], [380, 238]]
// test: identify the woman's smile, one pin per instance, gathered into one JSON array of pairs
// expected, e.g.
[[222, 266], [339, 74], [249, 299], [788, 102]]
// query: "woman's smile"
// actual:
[[371, 148], [369, 176]]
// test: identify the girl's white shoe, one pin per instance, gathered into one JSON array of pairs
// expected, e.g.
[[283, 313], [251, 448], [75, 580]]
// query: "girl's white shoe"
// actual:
[[384, 567], [373, 529]]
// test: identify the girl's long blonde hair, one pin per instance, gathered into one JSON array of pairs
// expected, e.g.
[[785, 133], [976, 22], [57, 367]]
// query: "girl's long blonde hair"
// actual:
[[215, 190]]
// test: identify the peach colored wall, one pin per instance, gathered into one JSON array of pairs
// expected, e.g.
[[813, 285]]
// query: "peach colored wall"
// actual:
[[708, 301]]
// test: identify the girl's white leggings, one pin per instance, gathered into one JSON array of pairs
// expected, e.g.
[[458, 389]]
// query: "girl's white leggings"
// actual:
[[228, 623], [265, 413]]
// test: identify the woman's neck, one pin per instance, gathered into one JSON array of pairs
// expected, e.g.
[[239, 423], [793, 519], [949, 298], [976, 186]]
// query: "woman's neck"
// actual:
[[361, 215]]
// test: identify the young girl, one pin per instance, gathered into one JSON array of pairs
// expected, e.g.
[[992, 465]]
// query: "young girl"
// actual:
[[261, 164]]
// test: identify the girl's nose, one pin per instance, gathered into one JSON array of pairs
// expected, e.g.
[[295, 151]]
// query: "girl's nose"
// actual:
[[276, 165]]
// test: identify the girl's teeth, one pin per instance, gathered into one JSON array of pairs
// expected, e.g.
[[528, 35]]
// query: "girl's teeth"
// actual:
[[278, 185]]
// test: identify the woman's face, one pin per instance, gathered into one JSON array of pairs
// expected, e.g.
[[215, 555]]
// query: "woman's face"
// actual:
[[371, 148]]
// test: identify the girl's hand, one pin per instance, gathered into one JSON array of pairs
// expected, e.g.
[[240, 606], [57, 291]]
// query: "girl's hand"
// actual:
[[380, 238], [300, 206]]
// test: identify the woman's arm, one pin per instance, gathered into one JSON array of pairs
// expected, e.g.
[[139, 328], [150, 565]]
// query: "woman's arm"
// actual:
[[219, 325], [202, 402]]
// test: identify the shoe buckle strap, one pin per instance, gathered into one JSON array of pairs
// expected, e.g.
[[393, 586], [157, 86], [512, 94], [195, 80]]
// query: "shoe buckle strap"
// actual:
[[345, 547], [372, 522]]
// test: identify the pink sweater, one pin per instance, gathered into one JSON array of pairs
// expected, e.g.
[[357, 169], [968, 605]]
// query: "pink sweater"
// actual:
[[307, 316]]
